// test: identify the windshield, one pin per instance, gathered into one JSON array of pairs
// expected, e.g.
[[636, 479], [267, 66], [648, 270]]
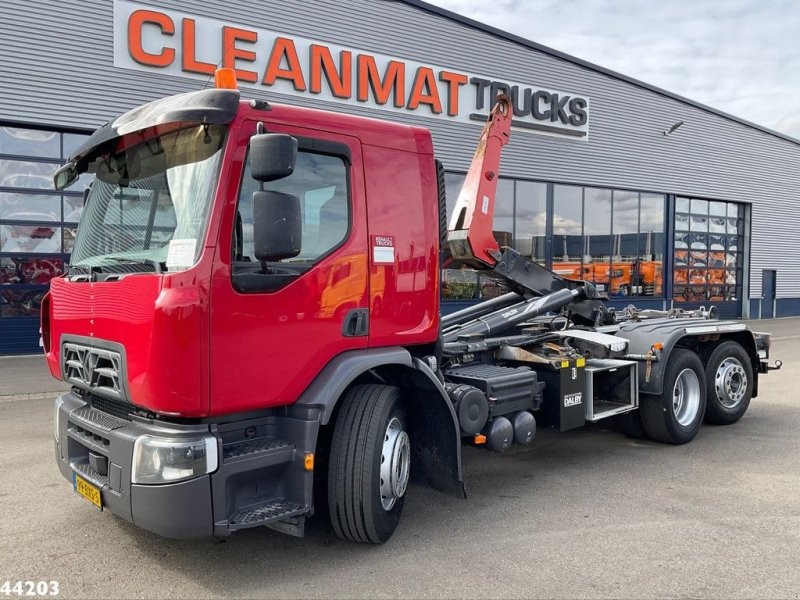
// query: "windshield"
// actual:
[[149, 204]]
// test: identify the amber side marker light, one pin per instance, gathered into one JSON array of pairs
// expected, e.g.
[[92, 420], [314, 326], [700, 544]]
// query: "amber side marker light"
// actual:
[[658, 346], [309, 461], [480, 439], [225, 79]]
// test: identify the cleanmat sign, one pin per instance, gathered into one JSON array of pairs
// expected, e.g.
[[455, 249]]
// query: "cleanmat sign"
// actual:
[[176, 43]]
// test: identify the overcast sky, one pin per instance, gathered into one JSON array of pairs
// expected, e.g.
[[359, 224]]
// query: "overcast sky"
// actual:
[[739, 56]]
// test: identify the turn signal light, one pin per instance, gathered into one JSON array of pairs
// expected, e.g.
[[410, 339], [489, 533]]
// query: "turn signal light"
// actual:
[[480, 439], [658, 346], [225, 79], [309, 461]]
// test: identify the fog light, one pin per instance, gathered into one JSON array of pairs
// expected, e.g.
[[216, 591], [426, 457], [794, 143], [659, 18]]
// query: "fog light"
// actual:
[[164, 460]]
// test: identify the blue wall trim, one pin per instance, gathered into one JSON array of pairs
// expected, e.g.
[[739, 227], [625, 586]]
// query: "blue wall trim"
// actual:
[[19, 335]]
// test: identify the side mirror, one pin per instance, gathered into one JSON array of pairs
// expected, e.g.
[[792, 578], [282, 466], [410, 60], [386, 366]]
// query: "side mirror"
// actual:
[[65, 176], [272, 156], [277, 226]]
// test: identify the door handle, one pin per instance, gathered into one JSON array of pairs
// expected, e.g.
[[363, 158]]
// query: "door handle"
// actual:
[[356, 323]]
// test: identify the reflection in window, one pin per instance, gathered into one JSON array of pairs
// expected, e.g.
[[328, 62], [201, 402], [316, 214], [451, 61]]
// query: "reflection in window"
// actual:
[[20, 302], [567, 230], [649, 272], [320, 183], [460, 282], [32, 241], [23, 174], [531, 220], [73, 141], [69, 239], [29, 142], [29, 271], [706, 260], [73, 207], [612, 238], [596, 246], [29, 207], [503, 226], [27, 238]]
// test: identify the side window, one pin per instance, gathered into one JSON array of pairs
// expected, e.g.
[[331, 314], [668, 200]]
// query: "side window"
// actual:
[[320, 182]]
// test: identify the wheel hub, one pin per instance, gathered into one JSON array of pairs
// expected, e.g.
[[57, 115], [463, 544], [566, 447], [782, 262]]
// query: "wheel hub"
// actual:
[[730, 382], [395, 462], [686, 397]]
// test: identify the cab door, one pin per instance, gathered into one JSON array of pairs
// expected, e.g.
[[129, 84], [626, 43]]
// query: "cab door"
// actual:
[[275, 326]]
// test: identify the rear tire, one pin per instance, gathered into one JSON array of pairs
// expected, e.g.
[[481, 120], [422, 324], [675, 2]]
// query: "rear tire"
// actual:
[[369, 464], [675, 416], [729, 374]]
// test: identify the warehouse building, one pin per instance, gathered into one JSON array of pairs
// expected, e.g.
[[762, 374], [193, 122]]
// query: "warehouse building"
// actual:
[[659, 200]]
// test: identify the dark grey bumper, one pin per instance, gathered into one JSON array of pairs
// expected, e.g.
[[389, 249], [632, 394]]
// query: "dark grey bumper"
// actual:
[[261, 479]]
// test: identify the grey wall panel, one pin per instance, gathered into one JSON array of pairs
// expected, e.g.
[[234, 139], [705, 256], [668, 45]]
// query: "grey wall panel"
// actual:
[[56, 65]]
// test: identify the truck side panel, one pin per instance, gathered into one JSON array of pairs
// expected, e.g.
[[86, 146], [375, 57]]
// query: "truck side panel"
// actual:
[[402, 212]]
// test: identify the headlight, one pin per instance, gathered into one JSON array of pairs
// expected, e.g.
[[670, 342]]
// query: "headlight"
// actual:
[[164, 460], [56, 417]]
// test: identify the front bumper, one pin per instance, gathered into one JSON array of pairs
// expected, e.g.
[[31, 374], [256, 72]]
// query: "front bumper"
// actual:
[[261, 478]]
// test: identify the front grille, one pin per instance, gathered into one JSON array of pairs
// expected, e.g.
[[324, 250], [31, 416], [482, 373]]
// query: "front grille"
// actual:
[[94, 369], [101, 420], [121, 410], [86, 437]]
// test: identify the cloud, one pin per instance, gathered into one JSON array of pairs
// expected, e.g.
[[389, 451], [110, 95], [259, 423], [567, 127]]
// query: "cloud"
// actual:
[[790, 125], [733, 55]]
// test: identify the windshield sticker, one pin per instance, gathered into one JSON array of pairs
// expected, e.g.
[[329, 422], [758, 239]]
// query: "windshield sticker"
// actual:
[[181, 254]]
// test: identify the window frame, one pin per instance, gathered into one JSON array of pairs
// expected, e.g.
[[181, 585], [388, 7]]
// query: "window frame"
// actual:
[[274, 282]]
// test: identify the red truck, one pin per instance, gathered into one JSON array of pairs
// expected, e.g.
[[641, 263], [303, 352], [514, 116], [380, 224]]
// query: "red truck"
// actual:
[[250, 324]]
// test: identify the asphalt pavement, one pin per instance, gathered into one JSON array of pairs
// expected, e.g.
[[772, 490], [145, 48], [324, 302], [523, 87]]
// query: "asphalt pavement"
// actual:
[[588, 513]]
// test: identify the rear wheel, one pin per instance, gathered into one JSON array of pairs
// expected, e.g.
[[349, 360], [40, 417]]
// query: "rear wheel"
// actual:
[[369, 464], [729, 374], [675, 416]]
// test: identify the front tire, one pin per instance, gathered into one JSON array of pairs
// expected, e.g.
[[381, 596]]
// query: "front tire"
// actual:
[[369, 464], [729, 374], [675, 416]]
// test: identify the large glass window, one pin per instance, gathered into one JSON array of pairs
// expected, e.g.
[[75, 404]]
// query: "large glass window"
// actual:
[[596, 247], [707, 260], [17, 141], [649, 271], [34, 244], [611, 238], [567, 230], [530, 222]]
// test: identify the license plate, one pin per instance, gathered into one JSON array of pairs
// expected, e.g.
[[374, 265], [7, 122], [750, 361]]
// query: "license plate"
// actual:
[[87, 490]]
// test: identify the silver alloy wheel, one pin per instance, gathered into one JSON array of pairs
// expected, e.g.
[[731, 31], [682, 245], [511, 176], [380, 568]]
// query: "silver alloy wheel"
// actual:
[[395, 462], [730, 382], [686, 397]]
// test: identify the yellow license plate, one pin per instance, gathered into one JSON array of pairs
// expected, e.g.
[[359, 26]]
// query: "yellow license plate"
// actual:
[[88, 491]]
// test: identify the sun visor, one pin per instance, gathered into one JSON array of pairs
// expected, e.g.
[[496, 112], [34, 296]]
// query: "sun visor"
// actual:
[[213, 106]]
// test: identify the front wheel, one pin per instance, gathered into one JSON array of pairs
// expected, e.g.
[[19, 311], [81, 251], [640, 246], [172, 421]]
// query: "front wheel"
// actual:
[[369, 466], [675, 416], [729, 373]]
